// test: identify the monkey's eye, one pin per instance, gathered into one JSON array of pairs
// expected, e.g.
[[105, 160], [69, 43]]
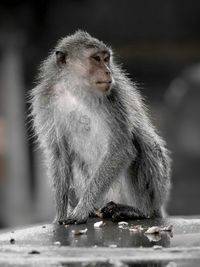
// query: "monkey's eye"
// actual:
[[107, 59], [96, 58]]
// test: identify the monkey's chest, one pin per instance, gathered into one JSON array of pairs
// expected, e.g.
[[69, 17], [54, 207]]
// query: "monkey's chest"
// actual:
[[90, 137]]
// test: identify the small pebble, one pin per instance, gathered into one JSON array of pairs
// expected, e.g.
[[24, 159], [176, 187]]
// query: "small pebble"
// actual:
[[168, 228], [156, 247], [98, 224], [122, 223], [122, 227], [112, 246], [44, 226], [136, 228], [12, 241], [57, 243], [80, 232], [153, 237], [153, 230], [34, 252]]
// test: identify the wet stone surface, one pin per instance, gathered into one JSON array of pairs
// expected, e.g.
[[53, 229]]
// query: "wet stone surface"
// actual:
[[107, 245]]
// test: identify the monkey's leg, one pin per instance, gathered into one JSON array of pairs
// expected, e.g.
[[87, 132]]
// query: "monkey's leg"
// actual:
[[61, 209], [119, 212], [61, 197]]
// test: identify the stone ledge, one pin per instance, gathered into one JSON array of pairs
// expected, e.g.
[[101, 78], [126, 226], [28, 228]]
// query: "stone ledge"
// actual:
[[108, 245]]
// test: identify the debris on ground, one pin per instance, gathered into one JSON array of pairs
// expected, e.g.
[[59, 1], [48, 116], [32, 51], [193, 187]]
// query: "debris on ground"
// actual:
[[80, 232], [122, 223], [98, 224], [113, 246], [12, 241], [153, 230], [156, 247], [153, 237], [157, 229], [168, 228], [136, 228], [57, 243], [123, 227], [34, 252]]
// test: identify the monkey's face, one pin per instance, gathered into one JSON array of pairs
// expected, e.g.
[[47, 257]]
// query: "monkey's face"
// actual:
[[98, 64], [91, 69]]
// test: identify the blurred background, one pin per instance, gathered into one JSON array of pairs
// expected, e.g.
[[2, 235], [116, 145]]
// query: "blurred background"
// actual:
[[158, 43]]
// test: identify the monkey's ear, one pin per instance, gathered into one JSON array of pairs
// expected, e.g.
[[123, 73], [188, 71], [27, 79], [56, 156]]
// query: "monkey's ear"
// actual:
[[61, 58]]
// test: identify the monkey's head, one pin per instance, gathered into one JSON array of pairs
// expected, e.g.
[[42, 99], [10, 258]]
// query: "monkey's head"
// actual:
[[84, 61]]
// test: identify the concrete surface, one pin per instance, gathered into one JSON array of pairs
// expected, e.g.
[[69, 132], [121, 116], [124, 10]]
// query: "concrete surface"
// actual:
[[57, 245]]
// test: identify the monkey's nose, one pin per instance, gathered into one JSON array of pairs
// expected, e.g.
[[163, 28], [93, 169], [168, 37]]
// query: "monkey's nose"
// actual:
[[107, 70]]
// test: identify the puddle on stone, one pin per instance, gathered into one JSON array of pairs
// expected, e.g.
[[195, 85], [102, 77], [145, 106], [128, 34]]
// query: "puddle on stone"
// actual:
[[186, 233]]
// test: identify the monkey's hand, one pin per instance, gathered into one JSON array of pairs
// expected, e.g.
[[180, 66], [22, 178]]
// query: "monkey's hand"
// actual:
[[119, 212]]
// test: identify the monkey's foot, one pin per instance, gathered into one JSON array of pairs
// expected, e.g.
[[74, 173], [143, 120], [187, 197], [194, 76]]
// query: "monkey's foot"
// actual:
[[71, 221], [74, 218], [59, 220], [118, 212]]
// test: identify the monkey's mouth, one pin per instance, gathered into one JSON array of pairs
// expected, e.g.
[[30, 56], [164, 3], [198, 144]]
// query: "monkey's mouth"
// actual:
[[104, 85], [104, 82]]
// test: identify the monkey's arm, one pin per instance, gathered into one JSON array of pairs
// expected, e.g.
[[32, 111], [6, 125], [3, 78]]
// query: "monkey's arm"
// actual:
[[58, 160], [108, 170], [151, 169]]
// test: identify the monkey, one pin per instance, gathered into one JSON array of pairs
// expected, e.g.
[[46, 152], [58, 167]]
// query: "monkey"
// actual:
[[101, 150]]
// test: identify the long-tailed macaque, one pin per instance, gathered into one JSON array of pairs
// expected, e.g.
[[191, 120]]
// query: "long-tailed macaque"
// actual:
[[101, 150]]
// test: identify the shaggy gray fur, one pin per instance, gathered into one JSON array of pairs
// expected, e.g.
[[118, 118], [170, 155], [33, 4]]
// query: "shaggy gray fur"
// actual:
[[98, 147]]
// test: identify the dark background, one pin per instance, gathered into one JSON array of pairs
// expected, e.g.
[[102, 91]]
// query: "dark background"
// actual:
[[158, 43]]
